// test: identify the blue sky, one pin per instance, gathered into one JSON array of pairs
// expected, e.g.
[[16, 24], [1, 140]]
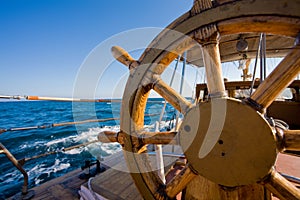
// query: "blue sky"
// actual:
[[46, 44], [43, 43]]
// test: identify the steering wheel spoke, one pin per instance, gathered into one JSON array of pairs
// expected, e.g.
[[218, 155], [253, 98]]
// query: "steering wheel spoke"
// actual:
[[180, 181], [291, 140], [231, 145], [142, 138], [212, 61], [174, 98], [278, 80], [281, 187]]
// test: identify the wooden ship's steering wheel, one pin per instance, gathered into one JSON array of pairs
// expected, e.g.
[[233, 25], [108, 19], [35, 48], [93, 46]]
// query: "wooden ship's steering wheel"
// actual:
[[229, 145]]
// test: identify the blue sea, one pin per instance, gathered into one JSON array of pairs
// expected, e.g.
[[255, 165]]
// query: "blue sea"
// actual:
[[29, 143]]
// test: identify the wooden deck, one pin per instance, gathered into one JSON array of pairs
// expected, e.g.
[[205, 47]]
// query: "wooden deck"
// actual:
[[64, 187], [109, 183], [116, 184]]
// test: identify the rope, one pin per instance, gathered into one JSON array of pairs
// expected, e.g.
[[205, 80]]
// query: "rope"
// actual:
[[55, 125], [255, 64], [278, 123], [165, 103], [181, 86], [263, 58], [61, 124], [59, 151], [194, 87]]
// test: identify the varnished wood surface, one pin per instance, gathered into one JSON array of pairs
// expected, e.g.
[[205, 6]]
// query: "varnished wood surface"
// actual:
[[143, 138], [281, 187], [237, 18]]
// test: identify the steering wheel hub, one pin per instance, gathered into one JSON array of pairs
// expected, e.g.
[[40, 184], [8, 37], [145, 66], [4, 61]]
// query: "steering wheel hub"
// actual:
[[228, 142]]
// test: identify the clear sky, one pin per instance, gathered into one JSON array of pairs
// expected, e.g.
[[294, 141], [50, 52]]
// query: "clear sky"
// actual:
[[46, 45], [43, 43]]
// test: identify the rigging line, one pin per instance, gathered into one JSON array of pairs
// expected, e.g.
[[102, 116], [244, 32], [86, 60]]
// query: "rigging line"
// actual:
[[181, 87], [255, 64], [62, 124], [182, 72], [158, 148], [165, 103], [56, 152], [194, 87], [55, 125], [262, 54], [204, 75]]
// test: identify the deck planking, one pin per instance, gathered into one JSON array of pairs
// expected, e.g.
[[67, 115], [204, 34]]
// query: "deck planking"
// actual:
[[116, 183]]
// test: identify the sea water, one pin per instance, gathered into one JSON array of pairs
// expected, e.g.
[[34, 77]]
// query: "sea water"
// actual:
[[29, 143]]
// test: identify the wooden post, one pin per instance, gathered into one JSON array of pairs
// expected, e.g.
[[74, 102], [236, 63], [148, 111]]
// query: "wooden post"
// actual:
[[159, 158], [208, 37], [212, 62]]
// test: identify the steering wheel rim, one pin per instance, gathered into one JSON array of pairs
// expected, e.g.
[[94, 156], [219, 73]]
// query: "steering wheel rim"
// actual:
[[253, 16]]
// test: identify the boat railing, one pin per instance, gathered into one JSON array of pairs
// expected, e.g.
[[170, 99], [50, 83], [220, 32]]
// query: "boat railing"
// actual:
[[19, 166], [20, 163]]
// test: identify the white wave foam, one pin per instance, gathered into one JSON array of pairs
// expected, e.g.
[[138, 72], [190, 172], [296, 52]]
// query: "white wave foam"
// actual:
[[60, 166], [60, 140], [36, 144], [74, 151], [41, 169], [96, 149], [99, 149]]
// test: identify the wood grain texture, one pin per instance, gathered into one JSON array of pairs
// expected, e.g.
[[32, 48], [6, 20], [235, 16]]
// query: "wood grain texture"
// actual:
[[281, 187], [170, 95], [123, 57], [212, 62], [179, 182], [202, 188], [265, 15], [291, 140], [142, 139]]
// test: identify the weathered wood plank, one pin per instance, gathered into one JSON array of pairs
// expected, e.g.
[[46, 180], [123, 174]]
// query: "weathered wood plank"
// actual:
[[115, 184]]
